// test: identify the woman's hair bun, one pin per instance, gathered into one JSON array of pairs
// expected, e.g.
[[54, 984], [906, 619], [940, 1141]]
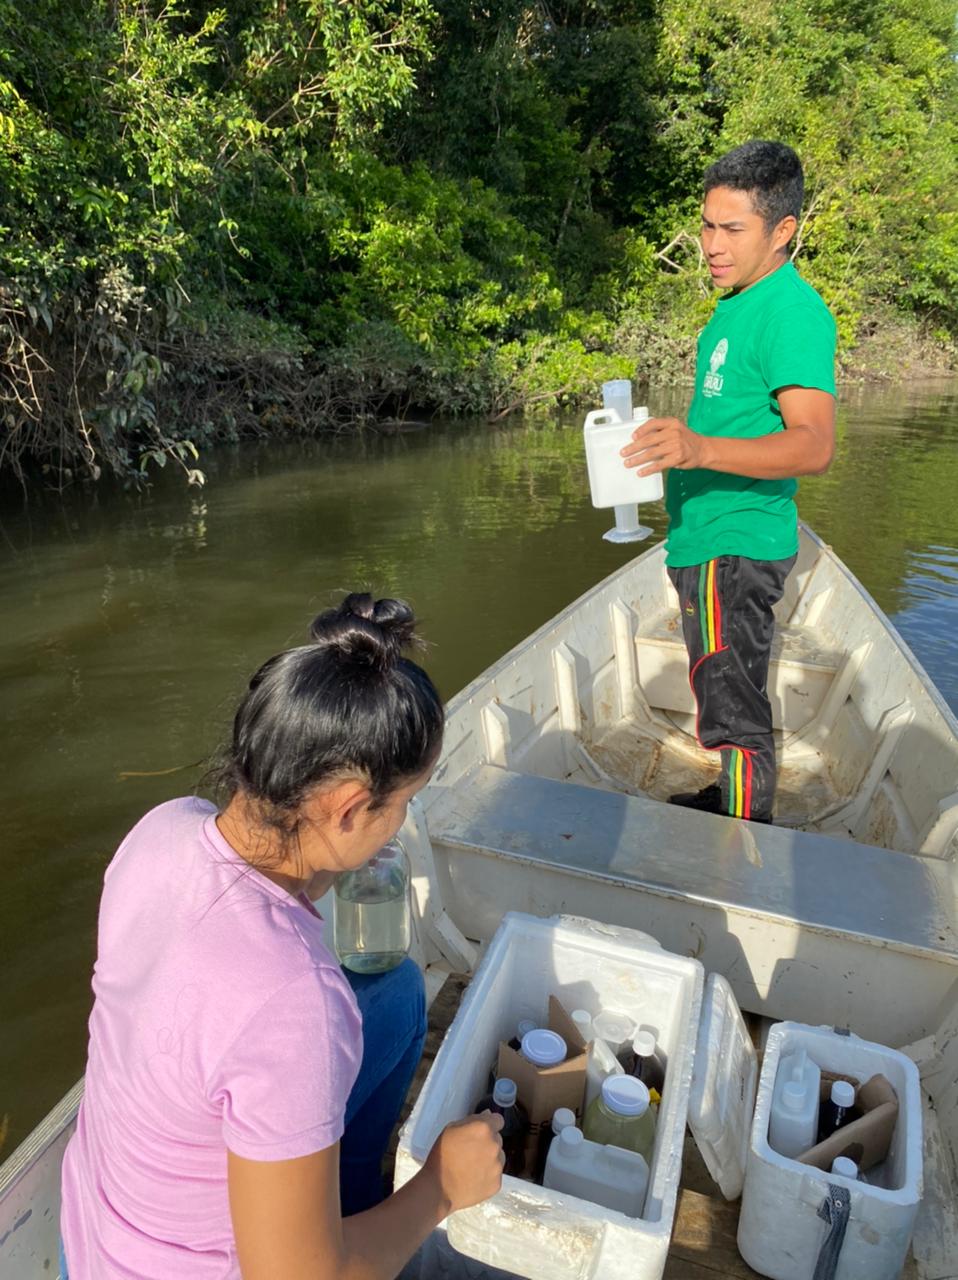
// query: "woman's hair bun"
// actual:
[[369, 632]]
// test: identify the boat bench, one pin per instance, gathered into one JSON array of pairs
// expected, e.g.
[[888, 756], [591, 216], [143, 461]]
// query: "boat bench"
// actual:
[[816, 899], [801, 670]]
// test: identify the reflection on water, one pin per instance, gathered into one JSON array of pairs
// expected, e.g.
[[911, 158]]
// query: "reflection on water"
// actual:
[[132, 621], [928, 614]]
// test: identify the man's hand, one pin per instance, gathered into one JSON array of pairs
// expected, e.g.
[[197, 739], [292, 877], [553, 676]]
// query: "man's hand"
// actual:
[[665, 442]]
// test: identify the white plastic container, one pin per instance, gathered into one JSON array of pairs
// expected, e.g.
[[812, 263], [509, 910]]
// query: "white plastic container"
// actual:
[[528, 1230], [846, 1168], [616, 1029], [793, 1119], [611, 482], [604, 1175], [543, 1048], [583, 1021], [601, 1064], [780, 1232]]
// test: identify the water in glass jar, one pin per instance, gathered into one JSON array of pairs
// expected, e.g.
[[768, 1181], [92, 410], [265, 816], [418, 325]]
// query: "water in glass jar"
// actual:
[[372, 929]]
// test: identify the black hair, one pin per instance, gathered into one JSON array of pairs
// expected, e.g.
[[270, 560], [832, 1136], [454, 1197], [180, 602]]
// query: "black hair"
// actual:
[[348, 703], [770, 172]]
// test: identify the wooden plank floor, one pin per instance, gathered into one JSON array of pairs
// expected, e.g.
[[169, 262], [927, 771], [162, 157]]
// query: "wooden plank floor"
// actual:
[[703, 1239]]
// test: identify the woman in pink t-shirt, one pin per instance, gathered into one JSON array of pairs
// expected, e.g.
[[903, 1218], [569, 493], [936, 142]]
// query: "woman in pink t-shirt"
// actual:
[[239, 1089]]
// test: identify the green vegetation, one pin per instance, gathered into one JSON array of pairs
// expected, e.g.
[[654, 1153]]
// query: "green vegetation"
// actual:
[[297, 215]]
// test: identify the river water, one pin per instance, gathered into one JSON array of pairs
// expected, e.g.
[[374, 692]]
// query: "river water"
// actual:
[[132, 621]]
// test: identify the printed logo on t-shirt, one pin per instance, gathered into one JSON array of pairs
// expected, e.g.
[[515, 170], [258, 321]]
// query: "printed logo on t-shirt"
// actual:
[[712, 383]]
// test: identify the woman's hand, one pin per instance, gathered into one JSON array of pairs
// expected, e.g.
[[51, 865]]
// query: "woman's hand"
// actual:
[[467, 1160], [287, 1219]]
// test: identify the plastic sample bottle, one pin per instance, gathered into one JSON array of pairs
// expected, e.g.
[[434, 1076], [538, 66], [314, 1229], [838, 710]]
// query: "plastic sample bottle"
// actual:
[[525, 1024], [646, 1064], [583, 1022], [838, 1110], [610, 1176], [503, 1102], [617, 1030], [372, 922], [600, 1063], [622, 1117], [846, 1168], [793, 1119], [543, 1048], [562, 1118]]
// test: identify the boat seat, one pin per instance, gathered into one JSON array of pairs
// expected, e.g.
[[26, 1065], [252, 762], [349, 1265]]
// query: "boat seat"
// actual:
[[887, 899], [802, 667]]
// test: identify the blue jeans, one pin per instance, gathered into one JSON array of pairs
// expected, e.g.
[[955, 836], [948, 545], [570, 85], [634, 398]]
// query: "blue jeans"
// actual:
[[393, 1008]]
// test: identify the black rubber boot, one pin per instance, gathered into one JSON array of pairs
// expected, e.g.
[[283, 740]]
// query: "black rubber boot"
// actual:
[[709, 799]]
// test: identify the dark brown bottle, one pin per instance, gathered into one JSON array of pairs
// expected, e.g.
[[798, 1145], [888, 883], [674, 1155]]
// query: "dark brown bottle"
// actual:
[[837, 1110], [515, 1123], [525, 1024], [645, 1063]]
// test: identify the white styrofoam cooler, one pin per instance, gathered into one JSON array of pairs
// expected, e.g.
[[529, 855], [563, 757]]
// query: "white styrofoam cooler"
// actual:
[[525, 1229], [780, 1231], [724, 1079]]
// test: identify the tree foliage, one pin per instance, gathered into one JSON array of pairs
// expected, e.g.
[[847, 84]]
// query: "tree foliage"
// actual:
[[220, 219]]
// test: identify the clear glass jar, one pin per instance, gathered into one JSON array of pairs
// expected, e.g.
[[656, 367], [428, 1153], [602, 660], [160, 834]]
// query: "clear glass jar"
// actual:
[[372, 919], [621, 1116]]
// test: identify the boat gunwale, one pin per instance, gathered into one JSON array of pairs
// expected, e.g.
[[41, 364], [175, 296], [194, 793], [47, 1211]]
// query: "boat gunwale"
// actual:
[[470, 690]]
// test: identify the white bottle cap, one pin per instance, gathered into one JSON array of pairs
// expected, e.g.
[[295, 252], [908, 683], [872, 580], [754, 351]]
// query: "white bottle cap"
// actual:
[[793, 1096], [526, 1025], [625, 1095], [571, 1139], [643, 1042], [504, 1092], [543, 1048], [845, 1168], [843, 1094], [613, 1028], [562, 1118], [583, 1021]]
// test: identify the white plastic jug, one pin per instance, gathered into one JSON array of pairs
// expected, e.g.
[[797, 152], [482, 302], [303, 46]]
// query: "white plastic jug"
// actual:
[[611, 482], [608, 1176], [600, 1063], [793, 1119]]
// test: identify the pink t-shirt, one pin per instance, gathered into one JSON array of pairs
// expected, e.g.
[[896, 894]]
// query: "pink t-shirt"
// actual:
[[221, 1020]]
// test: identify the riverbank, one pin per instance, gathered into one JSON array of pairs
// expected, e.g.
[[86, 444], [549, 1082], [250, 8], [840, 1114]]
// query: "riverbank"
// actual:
[[215, 388]]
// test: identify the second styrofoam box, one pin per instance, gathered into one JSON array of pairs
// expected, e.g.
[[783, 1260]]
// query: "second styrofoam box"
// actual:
[[526, 1229], [781, 1229]]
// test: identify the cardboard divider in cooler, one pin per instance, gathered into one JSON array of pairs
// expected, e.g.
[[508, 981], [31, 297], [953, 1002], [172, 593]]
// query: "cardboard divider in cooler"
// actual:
[[527, 1230], [866, 1140], [542, 1090], [784, 1221]]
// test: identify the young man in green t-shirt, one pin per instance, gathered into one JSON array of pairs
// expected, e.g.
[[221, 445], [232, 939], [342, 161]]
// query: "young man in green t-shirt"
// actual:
[[762, 413]]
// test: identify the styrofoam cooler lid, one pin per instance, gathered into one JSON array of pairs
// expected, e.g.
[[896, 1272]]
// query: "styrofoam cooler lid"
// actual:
[[724, 1081]]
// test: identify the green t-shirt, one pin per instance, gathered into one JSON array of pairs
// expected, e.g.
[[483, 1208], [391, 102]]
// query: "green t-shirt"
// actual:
[[777, 333]]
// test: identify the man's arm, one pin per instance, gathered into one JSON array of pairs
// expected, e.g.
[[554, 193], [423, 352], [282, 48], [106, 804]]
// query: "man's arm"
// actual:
[[804, 448]]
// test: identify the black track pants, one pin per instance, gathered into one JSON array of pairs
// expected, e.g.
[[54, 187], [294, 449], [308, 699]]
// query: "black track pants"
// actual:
[[726, 611]]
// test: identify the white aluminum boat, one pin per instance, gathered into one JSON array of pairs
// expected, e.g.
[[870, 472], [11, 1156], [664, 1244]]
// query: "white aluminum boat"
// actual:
[[549, 798]]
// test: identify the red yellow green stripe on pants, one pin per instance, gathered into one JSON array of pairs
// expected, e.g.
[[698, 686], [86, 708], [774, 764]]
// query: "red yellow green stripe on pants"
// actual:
[[725, 605]]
